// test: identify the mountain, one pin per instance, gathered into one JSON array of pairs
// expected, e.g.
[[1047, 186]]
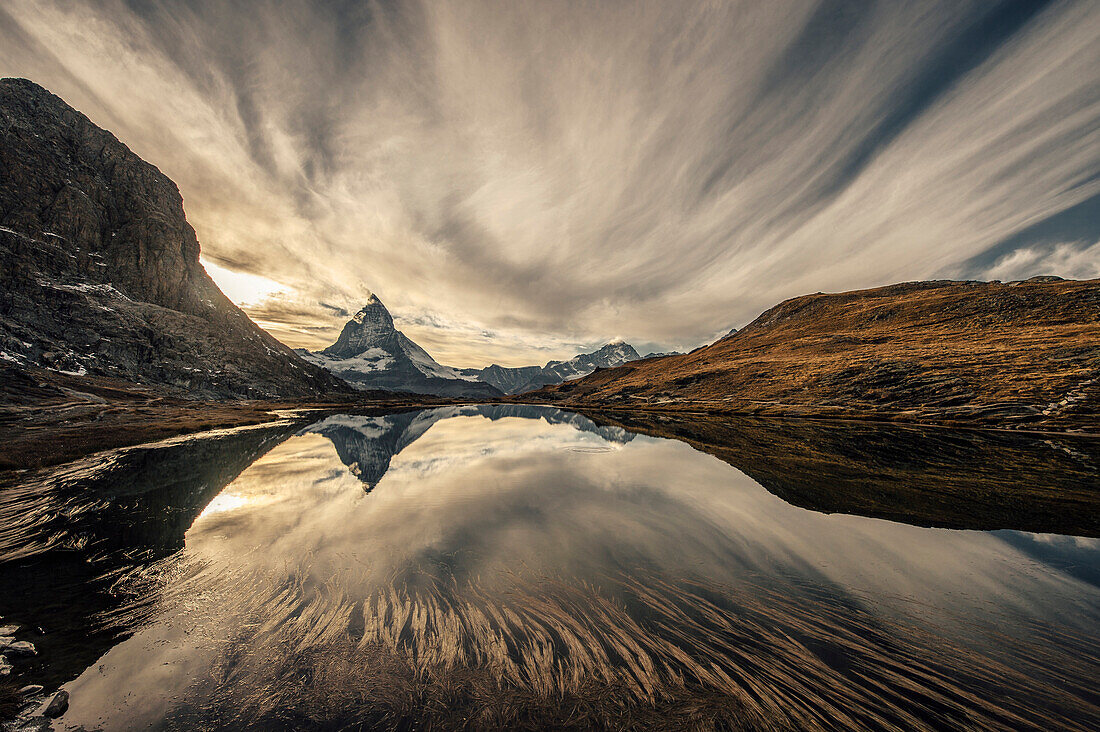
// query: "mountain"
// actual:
[[101, 272], [528, 378], [555, 372], [372, 354], [1020, 353]]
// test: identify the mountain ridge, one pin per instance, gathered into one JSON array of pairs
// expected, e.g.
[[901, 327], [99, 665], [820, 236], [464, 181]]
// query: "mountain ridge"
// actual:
[[517, 380], [371, 352]]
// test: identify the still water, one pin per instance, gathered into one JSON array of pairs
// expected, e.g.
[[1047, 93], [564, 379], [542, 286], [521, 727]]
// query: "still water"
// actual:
[[523, 567]]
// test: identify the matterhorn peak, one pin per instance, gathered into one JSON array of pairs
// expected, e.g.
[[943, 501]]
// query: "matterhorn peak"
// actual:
[[374, 305]]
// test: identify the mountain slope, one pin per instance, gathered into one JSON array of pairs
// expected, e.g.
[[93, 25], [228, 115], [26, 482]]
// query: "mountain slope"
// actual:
[[372, 354], [101, 271], [555, 372], [963, 352]]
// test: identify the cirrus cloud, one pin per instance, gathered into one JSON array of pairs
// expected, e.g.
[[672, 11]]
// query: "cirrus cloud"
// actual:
[[519, 180]]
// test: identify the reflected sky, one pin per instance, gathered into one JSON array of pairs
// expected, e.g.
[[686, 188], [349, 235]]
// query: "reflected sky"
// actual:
[[558, 557]]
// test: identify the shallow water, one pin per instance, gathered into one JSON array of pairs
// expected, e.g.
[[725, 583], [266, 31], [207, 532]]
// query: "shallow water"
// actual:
[[524, 567]]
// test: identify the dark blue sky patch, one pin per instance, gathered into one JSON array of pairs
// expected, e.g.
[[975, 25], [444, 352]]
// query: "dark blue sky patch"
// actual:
[[1077, 226]]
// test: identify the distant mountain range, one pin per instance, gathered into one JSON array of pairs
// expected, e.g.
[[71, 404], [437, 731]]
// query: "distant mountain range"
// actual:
[[528, 378], [371, 353]]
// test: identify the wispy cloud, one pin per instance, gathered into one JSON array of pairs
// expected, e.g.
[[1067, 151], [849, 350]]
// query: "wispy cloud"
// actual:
[[1070, 260], [561, 173]]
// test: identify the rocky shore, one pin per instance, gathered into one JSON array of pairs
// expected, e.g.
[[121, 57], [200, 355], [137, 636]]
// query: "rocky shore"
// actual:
[[28, 700]]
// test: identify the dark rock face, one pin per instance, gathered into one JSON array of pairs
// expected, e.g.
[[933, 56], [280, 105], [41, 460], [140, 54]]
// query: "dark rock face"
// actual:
[[371, 327], [101, 271], [508, 380], [58, 705]]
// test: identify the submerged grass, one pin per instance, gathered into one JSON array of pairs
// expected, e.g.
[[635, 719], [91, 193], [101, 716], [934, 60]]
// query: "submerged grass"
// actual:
[[625, 652]]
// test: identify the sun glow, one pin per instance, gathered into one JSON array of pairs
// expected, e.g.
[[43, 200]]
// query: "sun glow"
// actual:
[[243, 288]]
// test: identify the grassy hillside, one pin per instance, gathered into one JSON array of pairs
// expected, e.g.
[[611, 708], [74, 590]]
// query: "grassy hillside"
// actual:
[[1023, 353]]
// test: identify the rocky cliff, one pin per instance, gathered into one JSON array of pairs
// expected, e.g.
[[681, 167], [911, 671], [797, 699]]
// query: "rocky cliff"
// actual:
[[101, 272], [990, 353]]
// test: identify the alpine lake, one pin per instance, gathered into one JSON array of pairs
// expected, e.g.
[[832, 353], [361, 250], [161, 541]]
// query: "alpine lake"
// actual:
[[522, 567]]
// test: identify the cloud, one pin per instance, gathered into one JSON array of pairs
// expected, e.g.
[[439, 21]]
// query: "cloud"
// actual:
[[563, 173], [1073, 261]]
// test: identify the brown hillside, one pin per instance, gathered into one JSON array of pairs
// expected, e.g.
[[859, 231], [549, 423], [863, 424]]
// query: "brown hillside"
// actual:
[[1015, 354]]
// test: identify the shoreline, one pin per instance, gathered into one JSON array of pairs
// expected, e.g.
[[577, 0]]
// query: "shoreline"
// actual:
[[37, 436]]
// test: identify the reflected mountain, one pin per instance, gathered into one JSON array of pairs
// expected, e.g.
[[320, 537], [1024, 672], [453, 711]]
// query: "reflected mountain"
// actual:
[[950, 478], [367, 444]]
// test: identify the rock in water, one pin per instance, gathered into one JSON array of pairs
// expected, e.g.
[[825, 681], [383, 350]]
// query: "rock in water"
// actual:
[[58, 705], [101, 272], [20, 648]]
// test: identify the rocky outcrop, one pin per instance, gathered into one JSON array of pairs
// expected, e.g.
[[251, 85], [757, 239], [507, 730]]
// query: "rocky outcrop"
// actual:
[[983, 353], [101, 271]]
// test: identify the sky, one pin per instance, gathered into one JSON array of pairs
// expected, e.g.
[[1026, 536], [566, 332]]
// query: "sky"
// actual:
[[519, 181]]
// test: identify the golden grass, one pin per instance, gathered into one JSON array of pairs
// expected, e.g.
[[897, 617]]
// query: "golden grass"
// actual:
[[949, 353]]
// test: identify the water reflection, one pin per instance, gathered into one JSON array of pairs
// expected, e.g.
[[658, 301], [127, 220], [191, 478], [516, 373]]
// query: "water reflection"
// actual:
[[367, 444], [514, 566]]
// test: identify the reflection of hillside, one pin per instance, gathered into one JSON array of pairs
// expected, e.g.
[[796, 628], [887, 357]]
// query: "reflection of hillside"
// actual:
[[368, 444], [66, 538], [961, 479]]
